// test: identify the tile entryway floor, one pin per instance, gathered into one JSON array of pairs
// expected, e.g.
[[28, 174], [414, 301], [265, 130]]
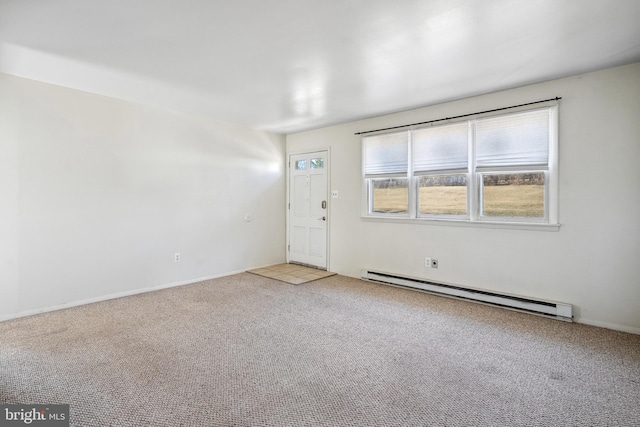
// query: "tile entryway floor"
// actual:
[[292, 273]]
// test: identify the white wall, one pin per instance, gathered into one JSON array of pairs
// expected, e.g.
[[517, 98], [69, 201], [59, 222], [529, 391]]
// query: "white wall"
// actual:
[[593, 262], [97, 194]]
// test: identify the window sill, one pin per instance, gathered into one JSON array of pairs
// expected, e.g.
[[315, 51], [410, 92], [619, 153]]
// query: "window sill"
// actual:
[[465, 223]]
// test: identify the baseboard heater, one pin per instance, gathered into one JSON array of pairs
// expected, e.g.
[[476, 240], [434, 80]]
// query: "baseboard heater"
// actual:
[[555, 310]]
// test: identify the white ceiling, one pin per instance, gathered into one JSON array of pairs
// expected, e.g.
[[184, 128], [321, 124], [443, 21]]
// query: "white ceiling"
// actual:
[[291, 65]]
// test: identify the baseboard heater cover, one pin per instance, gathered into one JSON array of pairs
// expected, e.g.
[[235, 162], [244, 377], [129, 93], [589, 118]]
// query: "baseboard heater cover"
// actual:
[[556, 310]]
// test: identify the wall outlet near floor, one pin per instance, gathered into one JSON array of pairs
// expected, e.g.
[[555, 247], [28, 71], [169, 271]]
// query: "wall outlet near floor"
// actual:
[[434, 263], [427, 262], [176, 257]]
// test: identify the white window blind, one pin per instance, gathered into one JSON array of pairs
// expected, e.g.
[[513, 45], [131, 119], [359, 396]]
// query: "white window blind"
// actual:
[[441, 148], [513, 140], [386, 154]]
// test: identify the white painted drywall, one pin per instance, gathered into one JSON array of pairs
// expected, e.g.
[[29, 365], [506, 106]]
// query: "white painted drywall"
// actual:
[[97, 194], [591, 262]]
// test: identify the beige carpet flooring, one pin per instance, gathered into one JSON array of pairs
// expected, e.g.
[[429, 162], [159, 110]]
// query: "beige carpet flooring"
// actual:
[[292, 273], [250, 351]]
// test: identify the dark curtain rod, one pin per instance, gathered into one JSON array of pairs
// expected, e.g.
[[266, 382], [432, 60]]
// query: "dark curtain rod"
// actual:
[[460, 116]]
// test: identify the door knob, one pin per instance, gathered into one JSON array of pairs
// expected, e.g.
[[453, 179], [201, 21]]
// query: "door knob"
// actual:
[[324, 218]]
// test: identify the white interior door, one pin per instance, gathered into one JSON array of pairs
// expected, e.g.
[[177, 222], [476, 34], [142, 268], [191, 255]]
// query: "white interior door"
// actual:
[[308, 208]]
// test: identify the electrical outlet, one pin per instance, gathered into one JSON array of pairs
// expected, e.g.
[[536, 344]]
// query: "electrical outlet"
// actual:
[[176, 257], [427, 262], [334, 194], [434, 263]]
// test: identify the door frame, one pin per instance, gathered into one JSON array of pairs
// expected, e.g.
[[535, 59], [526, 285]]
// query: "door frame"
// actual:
[[287, 203]]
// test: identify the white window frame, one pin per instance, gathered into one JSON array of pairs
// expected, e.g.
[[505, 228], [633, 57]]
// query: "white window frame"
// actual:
[[474, 184], [368, 180]]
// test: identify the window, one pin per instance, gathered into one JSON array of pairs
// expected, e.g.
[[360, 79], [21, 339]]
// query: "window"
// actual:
[[440, 164], [491, 169], [386, 161], [443, 195], [390, 195], [519, 195], [317, 163]]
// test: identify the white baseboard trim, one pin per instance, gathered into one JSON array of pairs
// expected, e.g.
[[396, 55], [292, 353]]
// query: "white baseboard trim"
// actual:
[[32, 312], [581, 320], [607, 325], [26, 313]]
